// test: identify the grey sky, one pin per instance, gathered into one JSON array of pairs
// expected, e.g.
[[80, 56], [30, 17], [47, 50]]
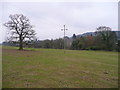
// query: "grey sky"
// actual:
[[49, 17]]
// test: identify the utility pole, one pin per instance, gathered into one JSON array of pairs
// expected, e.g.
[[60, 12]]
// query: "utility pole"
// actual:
[[64, 36]]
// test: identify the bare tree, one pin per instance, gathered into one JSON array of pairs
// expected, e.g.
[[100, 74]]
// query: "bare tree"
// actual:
[[107, 36], [20, 29]]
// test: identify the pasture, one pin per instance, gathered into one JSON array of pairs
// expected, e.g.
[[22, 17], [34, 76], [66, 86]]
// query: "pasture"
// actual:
[[51, 68]]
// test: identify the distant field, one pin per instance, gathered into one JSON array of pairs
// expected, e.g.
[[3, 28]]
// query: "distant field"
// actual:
[[51, 68]]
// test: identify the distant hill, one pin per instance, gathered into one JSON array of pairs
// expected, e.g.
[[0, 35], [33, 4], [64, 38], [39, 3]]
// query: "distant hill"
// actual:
[[93, 34], [86, 34]]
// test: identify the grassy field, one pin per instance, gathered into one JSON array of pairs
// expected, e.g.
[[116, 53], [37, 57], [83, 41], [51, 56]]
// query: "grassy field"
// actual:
[[51, 68]]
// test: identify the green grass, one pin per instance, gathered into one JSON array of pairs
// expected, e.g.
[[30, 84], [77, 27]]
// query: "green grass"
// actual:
[[51, 68]]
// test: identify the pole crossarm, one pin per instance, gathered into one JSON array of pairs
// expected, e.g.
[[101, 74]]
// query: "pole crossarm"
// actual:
[[64, 28]]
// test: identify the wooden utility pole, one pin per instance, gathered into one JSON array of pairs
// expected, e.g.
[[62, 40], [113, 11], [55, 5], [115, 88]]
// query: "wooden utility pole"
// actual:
[[64, 29]]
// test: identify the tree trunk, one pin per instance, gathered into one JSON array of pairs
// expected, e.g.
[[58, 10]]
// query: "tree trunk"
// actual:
[[21, 43]]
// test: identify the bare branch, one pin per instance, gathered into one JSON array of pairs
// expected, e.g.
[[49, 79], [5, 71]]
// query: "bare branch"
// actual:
[[20, 27]]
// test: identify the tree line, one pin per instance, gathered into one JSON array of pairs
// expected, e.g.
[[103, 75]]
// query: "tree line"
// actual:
[[102, 40]]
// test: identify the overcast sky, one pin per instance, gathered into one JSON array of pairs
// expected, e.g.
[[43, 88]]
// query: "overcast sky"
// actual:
[[49, 17]]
